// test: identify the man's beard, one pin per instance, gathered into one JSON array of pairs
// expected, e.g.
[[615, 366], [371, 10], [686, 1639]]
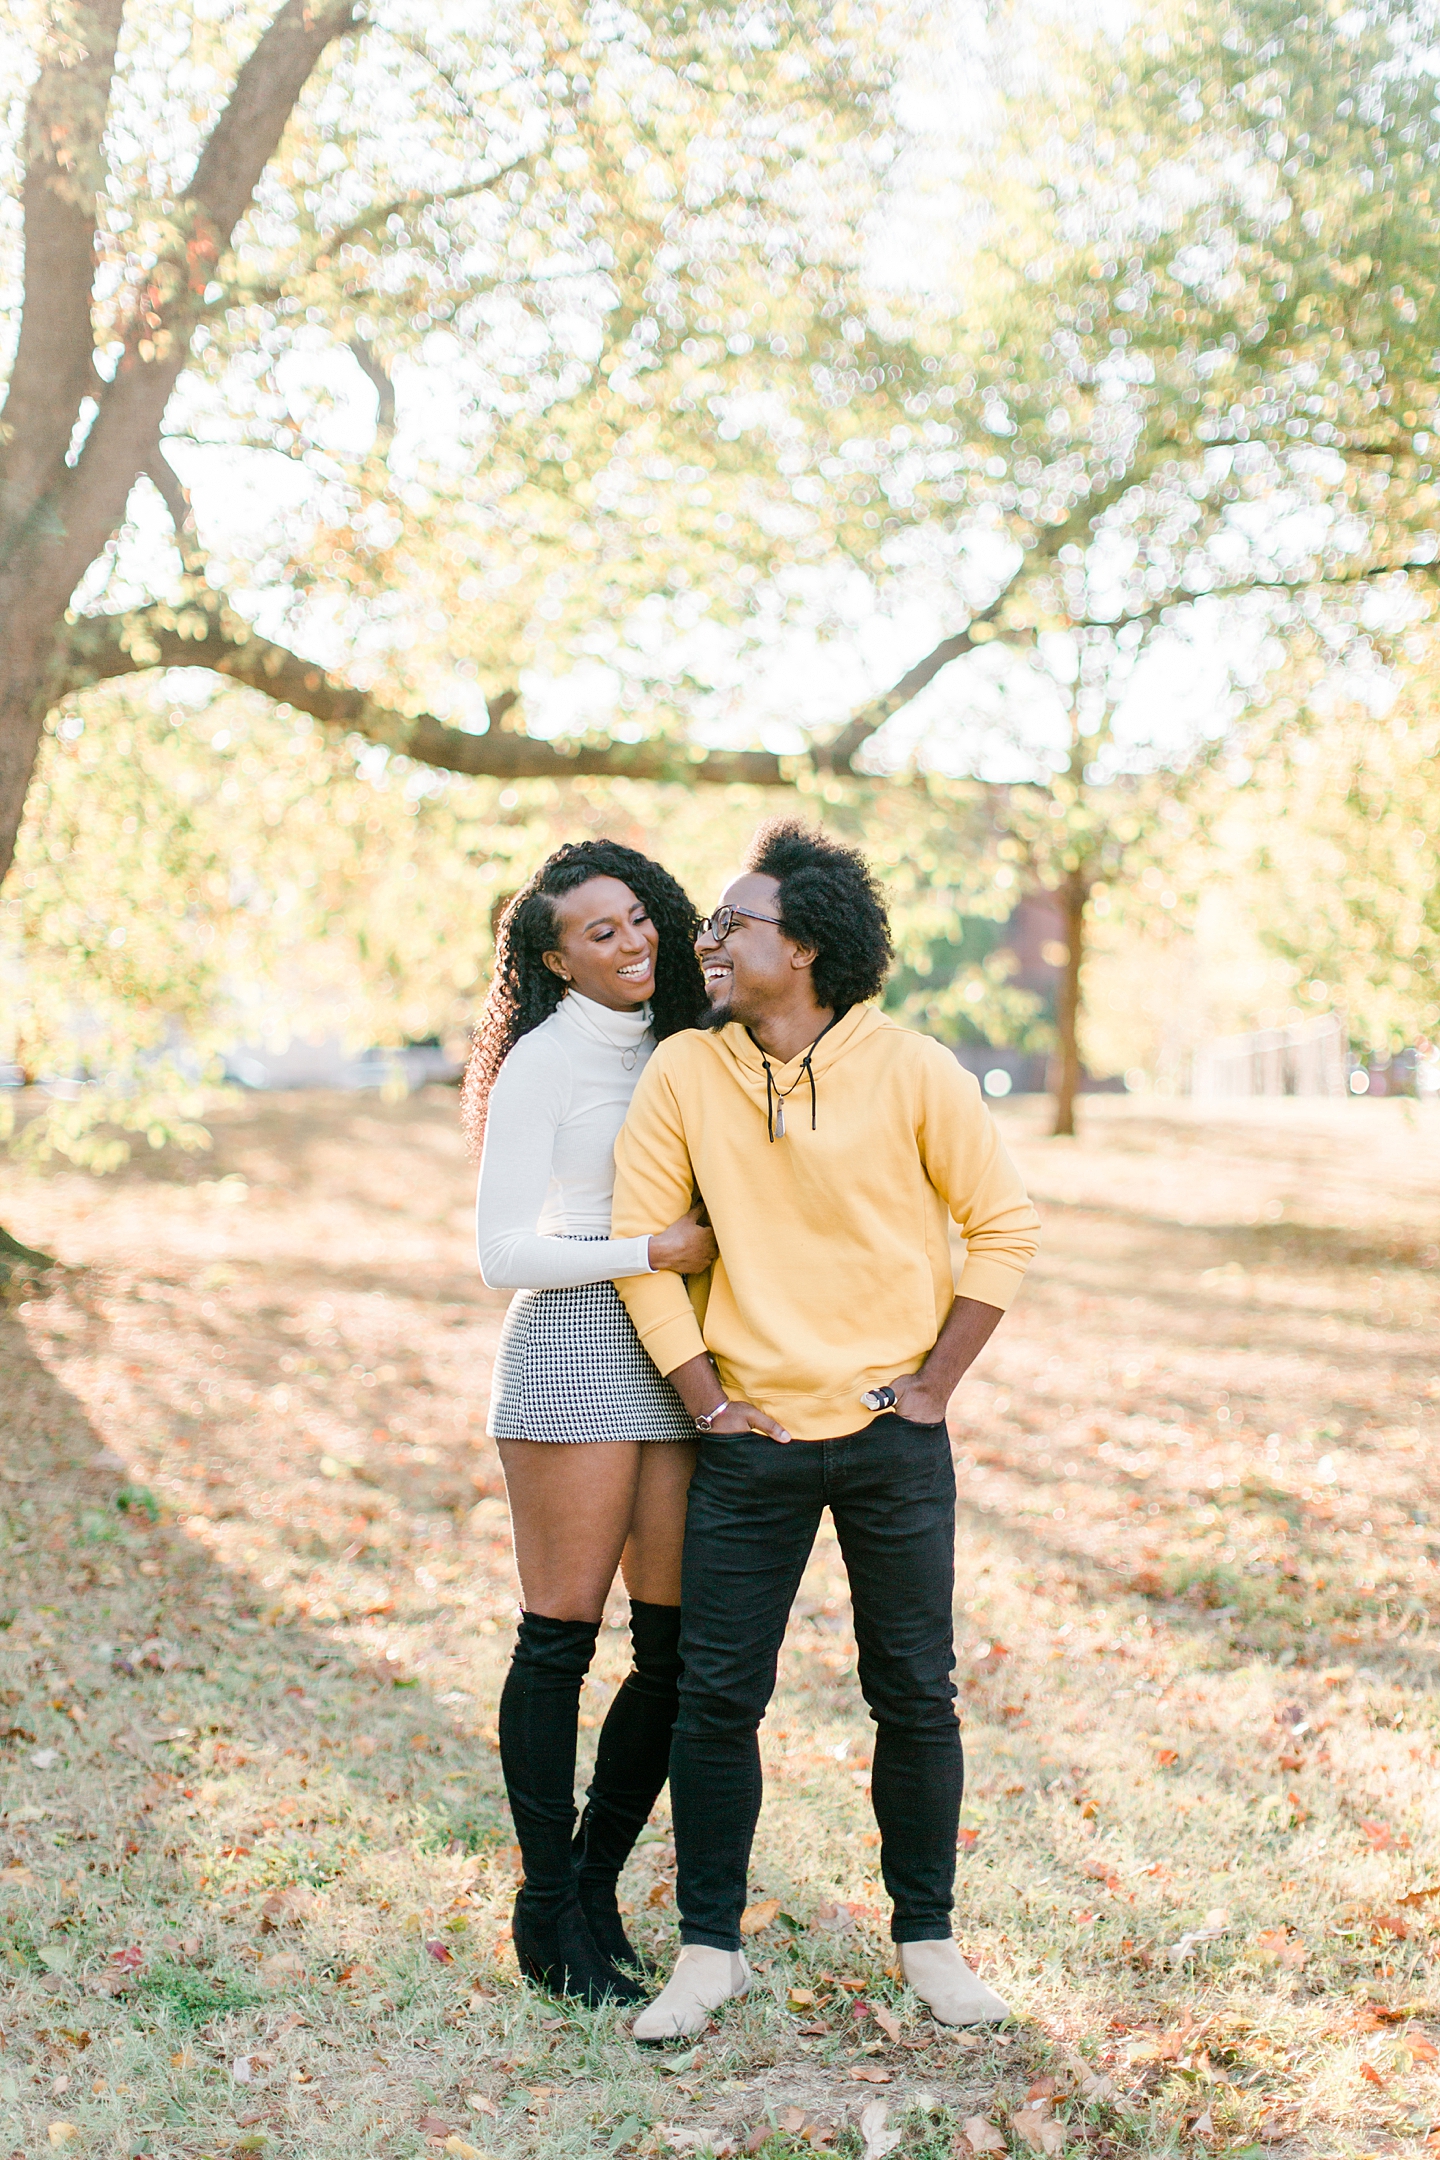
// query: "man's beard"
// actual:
[[718, 1016]]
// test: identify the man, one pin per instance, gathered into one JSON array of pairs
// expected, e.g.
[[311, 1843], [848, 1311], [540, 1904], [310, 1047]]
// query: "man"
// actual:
[[831, 1148]]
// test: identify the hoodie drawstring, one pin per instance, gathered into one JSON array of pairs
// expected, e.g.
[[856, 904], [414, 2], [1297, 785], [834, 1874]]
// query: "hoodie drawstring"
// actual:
[[776, 1097]]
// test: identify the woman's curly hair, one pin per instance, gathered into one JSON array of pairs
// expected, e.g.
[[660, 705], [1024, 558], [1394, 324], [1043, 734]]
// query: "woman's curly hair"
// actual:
[[829, 900], [523, 991]]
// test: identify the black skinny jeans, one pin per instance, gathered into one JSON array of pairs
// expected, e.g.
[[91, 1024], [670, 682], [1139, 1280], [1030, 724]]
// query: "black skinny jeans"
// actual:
[[753, 1512]]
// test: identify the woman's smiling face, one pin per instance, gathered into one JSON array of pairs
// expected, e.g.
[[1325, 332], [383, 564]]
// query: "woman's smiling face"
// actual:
[[607, 944]]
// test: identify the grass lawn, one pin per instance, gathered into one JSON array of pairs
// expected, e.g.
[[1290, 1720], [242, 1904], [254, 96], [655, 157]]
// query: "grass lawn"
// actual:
[[256, 1600]]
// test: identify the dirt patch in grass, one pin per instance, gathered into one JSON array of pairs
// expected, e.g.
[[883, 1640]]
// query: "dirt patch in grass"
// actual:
[[256, 1595]]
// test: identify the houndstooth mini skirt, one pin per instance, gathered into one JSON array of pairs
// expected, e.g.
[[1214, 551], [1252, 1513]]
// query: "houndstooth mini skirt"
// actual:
[[571, 1367]]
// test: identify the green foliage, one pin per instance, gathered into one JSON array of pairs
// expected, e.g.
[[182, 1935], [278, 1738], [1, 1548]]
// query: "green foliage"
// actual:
[[186, 1998], [1346, 880], [250, 878], [138, 1500], [522, 292], [637, 404]]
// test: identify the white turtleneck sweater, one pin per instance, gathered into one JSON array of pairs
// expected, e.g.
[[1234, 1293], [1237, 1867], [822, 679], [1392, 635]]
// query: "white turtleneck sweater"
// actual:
[[548, 1170]]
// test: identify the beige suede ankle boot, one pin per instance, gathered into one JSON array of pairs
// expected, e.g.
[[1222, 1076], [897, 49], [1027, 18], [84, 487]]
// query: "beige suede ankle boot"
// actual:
[[703, 1979], [945, 1983]]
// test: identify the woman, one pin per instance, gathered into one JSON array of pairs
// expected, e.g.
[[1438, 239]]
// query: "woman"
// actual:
[[594, 961]]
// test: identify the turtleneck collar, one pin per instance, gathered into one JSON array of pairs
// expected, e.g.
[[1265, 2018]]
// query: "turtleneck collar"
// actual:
[[625, 1030]]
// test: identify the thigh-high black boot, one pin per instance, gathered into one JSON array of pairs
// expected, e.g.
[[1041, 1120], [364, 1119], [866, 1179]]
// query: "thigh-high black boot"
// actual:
[[631, 1763], [539, 1708]]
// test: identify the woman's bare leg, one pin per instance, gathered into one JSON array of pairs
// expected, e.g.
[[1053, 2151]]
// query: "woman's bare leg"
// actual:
[[651, 1559], [571, 1509], [580, 1509]]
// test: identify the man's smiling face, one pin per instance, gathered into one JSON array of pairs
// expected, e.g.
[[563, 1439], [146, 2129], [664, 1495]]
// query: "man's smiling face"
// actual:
[[753, 967]]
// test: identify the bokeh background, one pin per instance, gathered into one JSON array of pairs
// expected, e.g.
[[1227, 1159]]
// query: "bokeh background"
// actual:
[[1006, 436]]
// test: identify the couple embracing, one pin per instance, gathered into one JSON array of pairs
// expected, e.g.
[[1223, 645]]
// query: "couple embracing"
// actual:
[[683, 1402]]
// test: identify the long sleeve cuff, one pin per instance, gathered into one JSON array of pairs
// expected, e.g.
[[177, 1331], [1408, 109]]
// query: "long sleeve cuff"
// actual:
[[671, 1336], [532, 1261], [989, 1282]]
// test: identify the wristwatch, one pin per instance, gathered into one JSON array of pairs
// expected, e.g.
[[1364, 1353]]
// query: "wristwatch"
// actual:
[[707, 1422]]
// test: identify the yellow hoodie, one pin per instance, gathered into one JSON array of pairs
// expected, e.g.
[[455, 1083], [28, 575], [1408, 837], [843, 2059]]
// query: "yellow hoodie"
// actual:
[[835, 1271]]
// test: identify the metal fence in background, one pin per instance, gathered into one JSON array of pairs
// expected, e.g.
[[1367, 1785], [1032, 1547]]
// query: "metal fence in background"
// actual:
[[1309, 1057]]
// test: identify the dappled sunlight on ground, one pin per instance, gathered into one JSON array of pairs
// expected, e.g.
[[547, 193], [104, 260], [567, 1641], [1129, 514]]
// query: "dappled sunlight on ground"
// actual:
[[255, 1866]]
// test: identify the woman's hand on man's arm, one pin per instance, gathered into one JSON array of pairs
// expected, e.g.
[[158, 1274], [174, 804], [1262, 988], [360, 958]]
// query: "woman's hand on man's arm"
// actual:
[[687, 1248]]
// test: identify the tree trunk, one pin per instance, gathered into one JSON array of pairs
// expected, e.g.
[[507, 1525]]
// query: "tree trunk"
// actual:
[[27, 641], [1074, 897]]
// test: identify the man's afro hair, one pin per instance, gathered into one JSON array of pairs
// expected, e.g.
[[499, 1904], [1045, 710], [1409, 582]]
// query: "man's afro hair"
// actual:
[[828, 900]]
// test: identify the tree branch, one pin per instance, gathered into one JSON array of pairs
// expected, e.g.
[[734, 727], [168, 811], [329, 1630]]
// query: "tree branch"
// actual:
[[370, 221], [90, 502], [176, 497], [247, 134], [839, 753], [54, 359], [101, 647], [375, 372]]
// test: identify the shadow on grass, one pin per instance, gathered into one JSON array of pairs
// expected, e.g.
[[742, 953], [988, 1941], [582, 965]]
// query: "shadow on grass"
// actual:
[[180, 1779]]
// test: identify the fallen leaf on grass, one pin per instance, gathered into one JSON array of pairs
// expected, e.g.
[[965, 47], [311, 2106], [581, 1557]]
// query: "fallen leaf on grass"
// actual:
[[756, 1918], [440, 1951], [1093, 2083], [1420, 1897], [834, 1918], [686, 2137], [969, 1839], [887, 2021], [1370, 2074], [1419, 2049], [1210, 1930], [1040, 2132], [982, 2137], [1374, 2015], [869, 2074], [482, 2103], [1167, 1757], [281, 1969], [114, 1980], [462, 2148], [283, 1906], [60, 2133], [1381, 1838], [1277, 1943], [14, 1877], [800, 1998], [879, 2140]]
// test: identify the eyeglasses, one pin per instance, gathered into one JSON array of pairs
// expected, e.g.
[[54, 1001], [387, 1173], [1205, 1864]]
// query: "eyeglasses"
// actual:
[[717, 927]]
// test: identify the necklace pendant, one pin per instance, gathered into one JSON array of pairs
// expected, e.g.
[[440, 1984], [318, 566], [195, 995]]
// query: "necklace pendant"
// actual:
[[780, 1121]]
